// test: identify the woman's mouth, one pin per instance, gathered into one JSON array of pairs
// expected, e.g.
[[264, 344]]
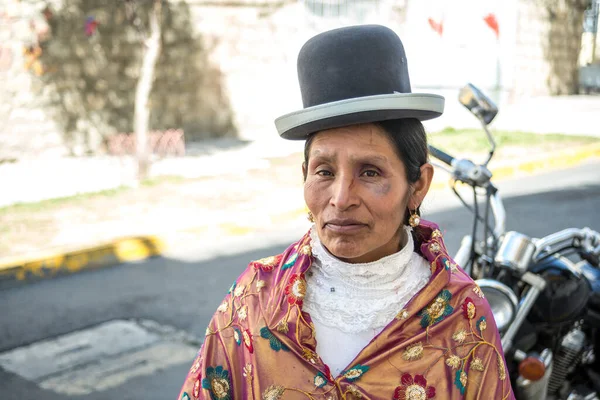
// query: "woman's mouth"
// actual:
[[344, 225]]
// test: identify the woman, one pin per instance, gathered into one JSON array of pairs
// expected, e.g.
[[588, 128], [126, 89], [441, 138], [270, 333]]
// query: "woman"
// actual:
[[367, 304]]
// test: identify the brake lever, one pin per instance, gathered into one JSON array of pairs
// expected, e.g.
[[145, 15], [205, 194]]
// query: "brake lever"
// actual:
[[467, 171], [471, 173], [590, 246], [591, 240]]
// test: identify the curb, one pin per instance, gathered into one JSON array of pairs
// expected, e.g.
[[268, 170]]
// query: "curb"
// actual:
[[132, 249], [51, 264], [551, 161]]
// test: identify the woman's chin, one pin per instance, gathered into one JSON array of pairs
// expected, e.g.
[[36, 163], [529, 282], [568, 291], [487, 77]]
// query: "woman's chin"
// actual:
[[345, 251]]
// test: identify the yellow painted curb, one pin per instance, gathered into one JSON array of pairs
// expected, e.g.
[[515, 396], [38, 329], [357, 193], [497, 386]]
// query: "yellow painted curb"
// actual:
[[232, 229], [555, 160], [48, 265]]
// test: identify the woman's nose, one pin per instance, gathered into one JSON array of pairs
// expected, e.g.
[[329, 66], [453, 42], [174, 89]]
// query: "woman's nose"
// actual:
[[343, 194]]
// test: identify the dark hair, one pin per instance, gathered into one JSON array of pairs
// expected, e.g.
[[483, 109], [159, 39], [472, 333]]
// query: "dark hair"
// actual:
[[410, 143]]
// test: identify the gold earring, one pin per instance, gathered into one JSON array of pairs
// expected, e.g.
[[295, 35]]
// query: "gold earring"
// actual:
[[311, 218], [415, 219]]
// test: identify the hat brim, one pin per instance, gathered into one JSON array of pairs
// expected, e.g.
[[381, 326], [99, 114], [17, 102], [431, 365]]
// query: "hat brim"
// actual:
[[300, 124]]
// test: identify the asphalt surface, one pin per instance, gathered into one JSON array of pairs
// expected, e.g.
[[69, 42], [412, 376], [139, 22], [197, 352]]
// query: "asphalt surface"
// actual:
[[184, 294]]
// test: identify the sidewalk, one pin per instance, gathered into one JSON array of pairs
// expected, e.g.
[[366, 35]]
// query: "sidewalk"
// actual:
[[229, 191], [576, 115]]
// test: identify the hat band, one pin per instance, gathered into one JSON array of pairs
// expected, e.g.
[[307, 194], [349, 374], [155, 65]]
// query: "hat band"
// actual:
[[396, 101]]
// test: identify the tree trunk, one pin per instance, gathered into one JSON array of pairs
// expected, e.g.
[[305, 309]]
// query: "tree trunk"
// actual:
[[565, 18], [143, 90]]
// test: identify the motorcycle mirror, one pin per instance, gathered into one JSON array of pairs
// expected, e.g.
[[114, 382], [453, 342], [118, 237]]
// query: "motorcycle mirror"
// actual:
[[478, 103]]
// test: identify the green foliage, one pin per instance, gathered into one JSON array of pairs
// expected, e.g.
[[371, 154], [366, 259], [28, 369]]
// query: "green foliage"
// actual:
[[60, 201], [475, 140]]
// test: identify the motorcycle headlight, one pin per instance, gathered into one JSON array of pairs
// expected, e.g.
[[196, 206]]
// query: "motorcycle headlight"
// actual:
[[502, 300]]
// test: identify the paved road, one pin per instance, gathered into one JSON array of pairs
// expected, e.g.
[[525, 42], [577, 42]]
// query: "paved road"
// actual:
[[184, 294]]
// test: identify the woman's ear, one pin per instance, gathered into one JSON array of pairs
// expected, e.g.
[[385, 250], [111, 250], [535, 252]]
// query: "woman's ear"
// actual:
[[421, 186], [304, 171]]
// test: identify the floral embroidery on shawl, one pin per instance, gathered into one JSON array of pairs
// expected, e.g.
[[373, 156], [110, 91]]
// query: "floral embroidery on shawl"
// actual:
[[501, 367], [196, 388], [247, 336], [453, 361], [320, 380], [435, 247], [283, 327], [449, 265], [477, 364], [290, 262], [237, 336], [239, 290], [248, 372], [437, 310], [413, 389], [354, 391], [310, 356], [196, 366], [413, 352], [217, 383], [481, 325], [296, 289], [460, 336], [275, 343], [402, 315], [469, 310], [266, 264], [243, 313], [223, 307], [273, 392], [306, 250], [232, 288], [355, 373], [460, 380]]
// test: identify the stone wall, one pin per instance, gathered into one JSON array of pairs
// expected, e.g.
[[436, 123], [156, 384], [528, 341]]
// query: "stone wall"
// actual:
[[25, 126], [74, 70]]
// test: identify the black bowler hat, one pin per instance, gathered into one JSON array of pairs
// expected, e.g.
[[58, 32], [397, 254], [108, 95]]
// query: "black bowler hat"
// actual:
[[354, 75]]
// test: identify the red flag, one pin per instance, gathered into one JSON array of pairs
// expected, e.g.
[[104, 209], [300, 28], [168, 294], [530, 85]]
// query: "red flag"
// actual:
[[492, 22], [437, 26]]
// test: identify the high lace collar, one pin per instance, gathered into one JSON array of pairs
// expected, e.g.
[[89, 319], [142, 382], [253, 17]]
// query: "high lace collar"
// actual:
[[384, 271], [355, 298]]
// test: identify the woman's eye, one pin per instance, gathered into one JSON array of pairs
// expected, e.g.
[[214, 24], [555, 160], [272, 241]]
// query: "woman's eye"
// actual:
[[324, 172], [371, 173]]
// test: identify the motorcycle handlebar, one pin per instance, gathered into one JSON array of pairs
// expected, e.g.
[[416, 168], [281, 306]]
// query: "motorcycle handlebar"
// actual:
[[589, 241], [440, 155]]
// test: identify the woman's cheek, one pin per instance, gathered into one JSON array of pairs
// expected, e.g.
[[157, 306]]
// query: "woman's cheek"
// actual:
[[314, 191], [382, 188]]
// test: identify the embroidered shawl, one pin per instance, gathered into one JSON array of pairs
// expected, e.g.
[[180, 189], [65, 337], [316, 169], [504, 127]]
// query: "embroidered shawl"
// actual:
[[260, 344]]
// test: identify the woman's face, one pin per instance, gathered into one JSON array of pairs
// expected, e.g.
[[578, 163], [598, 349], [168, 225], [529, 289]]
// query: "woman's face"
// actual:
[[357, 191]]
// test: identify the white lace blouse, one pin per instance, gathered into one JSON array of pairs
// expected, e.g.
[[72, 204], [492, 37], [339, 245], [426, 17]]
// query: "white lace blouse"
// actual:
[[351, 303]]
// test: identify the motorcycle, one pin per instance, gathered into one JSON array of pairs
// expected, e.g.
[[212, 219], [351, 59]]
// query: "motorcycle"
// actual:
[[544, 292]]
